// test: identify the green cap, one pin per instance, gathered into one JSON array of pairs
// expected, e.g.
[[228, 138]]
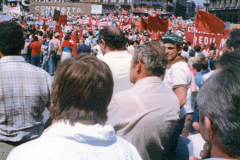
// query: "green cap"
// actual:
[[173, 38]]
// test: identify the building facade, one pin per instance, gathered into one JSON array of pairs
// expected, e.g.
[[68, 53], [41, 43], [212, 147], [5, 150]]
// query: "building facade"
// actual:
[[226, 10], [190, 7]]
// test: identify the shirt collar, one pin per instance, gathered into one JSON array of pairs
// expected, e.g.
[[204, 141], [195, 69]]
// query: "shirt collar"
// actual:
[[7, 59], [181, 59], [146, 80]]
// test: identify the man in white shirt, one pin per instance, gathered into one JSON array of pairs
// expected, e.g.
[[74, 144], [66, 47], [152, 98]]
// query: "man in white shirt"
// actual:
[[178, 79], [111, 43], [203, 50], [146, 114]]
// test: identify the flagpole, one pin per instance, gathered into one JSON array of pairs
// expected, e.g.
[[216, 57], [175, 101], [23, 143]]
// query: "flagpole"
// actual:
[[194, 36]]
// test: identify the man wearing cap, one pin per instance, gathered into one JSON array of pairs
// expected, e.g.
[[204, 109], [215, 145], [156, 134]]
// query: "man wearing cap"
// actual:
[[177, 78]]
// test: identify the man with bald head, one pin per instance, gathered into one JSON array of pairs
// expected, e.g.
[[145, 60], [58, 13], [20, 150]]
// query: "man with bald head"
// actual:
[[112, 42]]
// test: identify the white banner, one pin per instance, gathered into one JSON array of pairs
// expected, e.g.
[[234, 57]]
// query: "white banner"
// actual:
[[10, 10], [5, 17], [96, 9]]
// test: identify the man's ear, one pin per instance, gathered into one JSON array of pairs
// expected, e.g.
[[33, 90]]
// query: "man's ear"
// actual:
[[232, 49], [138, 66], [180, 50], [208, 129], [103, 43]]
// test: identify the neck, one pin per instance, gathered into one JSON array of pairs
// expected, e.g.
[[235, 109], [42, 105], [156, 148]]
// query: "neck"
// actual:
[[2, 55], [178, 57], [218, 150], [116, 50]]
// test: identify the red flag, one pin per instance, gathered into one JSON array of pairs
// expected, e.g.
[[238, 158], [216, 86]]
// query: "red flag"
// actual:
[[33, 27], [90, 22], [143, 24], [173, 17], [111, 14], [159, 13], [74, 39], [63, 19], [180, 25], [207, 22], [58, 29], [154, 15], [97, 17], [85, 27], [153, 35], [123, 11], [159, 36], [170, 24], [80, 34], [156, 23], [143, 10], [44, 27]]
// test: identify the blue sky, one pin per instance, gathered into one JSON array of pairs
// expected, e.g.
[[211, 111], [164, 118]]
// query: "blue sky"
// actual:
[[199, 1]]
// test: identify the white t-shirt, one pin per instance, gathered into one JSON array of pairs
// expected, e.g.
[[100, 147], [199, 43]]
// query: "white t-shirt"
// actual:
[[119, 63], [177, 75]]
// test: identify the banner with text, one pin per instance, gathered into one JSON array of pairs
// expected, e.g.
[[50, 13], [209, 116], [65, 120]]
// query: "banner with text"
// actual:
[[205, 38], [10, 10], [5, 17], [44, 8]]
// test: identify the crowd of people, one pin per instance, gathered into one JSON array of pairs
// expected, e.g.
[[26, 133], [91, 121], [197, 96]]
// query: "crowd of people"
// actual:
[[122, 95]]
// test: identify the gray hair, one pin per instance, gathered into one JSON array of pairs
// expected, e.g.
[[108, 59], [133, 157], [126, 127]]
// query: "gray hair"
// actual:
[[153, 56], [221, 102]]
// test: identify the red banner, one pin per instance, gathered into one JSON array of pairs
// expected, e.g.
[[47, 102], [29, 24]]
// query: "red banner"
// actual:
[[206, 38]]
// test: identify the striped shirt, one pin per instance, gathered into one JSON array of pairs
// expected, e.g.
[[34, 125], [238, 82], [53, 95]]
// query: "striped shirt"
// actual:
[[24, 94]]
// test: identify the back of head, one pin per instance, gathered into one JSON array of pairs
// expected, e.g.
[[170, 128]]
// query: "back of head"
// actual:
[[197, 48], [221, 103], [213, 64], [113, 36], [130, 42], [185, 48], [11, 38], [197, 67], [50, 36], [202, 57], [82, 90], [204, 65], [234, 39], [35, 38], [191, 52], [67, 37], [40, 33], [153, 56]]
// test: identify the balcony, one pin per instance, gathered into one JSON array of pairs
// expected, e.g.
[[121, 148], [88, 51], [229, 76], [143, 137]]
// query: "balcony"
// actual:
[[149, 2]]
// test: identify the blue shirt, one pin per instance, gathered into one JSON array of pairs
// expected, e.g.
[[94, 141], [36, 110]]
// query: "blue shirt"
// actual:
[[46, 44], [83, 49], [66, 49], [205, 72], [198, 79]]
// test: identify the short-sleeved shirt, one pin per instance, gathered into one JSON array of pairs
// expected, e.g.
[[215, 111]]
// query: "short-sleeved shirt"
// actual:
[[35, 47], [177, 74]]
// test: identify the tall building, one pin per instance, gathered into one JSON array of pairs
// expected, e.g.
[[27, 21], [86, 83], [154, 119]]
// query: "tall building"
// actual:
[[227, 10], [166, 7], [190, 7]]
